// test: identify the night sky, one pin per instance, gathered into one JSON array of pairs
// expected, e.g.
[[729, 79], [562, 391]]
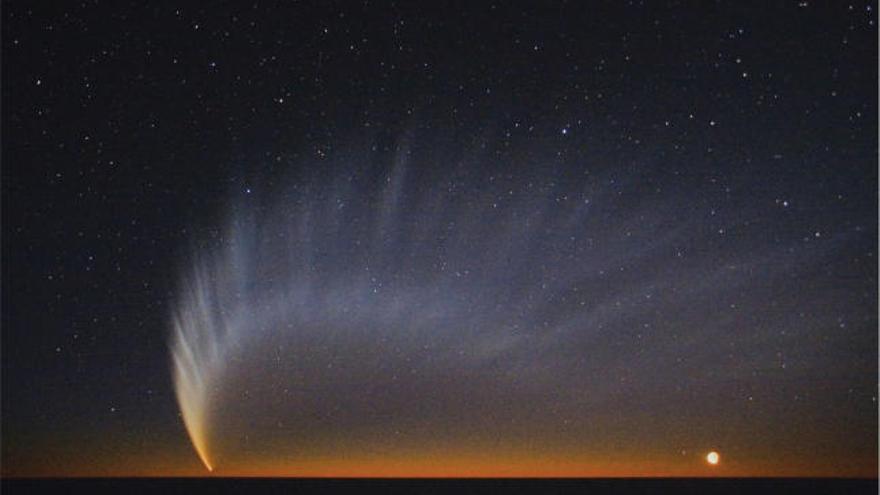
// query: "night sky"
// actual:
[[449, 239]]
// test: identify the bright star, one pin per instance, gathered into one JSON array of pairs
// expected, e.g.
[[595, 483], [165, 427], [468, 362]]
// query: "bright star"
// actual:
[[713, 458]]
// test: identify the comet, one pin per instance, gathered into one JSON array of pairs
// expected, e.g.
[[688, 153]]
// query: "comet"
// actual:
[[397, 299]]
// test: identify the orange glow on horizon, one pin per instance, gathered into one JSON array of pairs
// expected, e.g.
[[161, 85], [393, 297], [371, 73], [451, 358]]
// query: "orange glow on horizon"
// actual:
[[472, 463]]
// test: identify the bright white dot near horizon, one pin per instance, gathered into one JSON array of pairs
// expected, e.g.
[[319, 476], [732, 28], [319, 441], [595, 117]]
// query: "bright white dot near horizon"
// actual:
[[713, 458]]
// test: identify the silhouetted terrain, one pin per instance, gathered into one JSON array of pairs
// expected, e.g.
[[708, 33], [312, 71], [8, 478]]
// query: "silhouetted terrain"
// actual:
[[167, 486]]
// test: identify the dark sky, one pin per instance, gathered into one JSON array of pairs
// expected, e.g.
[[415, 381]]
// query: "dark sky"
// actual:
[[426, 238]]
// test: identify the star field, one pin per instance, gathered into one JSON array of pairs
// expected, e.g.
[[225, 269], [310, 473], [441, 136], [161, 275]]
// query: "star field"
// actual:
[[557, 239]]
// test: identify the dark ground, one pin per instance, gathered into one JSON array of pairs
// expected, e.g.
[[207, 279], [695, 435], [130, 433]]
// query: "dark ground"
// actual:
[[165, 486]]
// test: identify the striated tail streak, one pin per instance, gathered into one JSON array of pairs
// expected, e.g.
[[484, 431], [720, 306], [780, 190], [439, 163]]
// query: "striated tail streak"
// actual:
[[191, 383], [190, 386], [205, 325], [198, 346]]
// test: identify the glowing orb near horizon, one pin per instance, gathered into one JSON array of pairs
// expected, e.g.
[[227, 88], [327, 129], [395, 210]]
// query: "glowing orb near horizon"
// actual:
[[713, 458]]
